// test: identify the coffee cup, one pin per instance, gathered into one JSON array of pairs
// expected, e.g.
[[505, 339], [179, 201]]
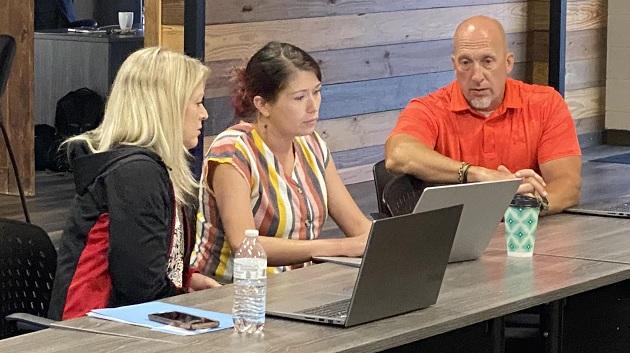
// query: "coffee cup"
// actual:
[[521, 221], [125, 21]]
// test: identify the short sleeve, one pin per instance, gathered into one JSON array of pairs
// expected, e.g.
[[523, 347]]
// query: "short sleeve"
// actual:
[[417, 120], [321, 148], [559, 137], [230, 148]]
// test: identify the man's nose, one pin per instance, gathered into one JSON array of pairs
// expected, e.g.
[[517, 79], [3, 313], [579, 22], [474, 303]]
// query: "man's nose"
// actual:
[[477, 75]]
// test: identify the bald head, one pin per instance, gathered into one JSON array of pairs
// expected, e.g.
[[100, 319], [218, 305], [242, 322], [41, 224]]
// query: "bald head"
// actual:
[[480, 30], [482, 62]]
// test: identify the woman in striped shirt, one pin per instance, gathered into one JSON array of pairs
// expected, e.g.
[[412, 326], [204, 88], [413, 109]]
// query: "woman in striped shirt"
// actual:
[[274, 173]]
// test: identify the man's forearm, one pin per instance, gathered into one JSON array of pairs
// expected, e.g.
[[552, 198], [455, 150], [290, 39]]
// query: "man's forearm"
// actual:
[[562, 195], [563, 178], [405, 155]]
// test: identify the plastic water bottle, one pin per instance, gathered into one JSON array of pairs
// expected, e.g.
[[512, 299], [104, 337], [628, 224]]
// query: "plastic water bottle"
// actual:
[[250, 285]]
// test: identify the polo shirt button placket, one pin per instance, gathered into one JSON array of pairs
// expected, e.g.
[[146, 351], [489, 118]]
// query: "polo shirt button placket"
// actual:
[[489, 143]]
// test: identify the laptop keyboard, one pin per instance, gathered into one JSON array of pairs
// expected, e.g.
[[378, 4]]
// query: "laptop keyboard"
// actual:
[[624, 207], [337, 309]]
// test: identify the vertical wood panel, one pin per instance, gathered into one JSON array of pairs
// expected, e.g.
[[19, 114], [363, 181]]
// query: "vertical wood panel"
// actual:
[[17, 20], [152, 22], [4, 108]]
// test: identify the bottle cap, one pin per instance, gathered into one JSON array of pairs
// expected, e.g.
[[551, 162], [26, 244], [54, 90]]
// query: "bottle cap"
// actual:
[[251, 233]]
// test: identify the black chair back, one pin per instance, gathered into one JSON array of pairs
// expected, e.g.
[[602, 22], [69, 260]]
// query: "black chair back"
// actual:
[[28, 262], [401, 194], [7, 53], [381, 178]]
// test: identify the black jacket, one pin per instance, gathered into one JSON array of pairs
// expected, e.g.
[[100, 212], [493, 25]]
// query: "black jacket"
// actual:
[[115, 245]]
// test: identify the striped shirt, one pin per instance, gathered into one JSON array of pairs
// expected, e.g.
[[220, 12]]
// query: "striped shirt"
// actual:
[[285, 204]]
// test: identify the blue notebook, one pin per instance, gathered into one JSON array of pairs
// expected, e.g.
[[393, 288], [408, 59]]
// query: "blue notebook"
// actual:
[[138, 315]]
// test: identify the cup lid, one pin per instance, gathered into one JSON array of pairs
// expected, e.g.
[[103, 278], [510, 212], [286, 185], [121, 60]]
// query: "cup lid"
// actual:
[[525, 201]]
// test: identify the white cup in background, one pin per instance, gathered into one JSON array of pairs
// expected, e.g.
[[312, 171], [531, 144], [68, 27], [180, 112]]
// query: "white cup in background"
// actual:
[[125, 20]]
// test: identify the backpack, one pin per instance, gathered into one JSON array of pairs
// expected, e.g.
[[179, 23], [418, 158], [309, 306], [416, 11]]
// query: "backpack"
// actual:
[[78, 111], [49, 154]]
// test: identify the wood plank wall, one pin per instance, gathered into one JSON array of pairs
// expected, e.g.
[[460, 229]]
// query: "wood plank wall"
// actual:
[[585, 75], [377, 54], [16, 19], [618, 71]]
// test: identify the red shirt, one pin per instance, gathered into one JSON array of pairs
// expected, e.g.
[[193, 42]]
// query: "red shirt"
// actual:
[[531, 126]]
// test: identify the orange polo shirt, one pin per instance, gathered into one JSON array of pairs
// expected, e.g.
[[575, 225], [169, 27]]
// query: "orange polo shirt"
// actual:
[[532, 126]]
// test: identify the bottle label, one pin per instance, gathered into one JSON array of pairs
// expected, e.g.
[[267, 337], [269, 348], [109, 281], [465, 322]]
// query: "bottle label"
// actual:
[[250, 268]]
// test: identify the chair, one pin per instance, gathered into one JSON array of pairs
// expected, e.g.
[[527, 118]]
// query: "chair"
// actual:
[[395, 194], [401, 194], [52, 14], [7, 53], [381, 178], [28, 262]]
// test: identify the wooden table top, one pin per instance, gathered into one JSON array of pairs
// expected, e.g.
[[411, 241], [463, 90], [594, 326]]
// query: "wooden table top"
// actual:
[[578, 236], [472, 292]]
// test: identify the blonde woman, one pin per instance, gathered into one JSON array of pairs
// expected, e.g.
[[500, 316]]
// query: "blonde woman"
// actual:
[[128, 238]]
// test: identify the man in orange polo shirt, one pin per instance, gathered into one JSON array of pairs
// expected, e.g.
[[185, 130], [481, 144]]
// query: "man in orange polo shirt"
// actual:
[[486, 126]]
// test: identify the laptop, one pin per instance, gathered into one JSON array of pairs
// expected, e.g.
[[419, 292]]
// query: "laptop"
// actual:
[[619, 207], [484, 206], [402, 270]]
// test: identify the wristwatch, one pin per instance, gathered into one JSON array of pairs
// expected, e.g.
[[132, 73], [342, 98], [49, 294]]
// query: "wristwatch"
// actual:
[[544, 203]]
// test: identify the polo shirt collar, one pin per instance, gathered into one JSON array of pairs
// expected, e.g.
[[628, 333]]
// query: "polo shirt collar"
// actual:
[[511, 99]]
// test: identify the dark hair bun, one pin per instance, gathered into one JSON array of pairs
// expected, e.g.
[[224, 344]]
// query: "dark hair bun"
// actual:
[[241, 100]]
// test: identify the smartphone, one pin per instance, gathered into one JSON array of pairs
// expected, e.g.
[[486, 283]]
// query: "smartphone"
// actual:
[[183, 320]]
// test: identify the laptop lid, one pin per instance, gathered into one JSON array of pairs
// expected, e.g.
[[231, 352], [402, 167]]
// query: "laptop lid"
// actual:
[[484, 206], [402, 270], [617, 207], [341, 260]]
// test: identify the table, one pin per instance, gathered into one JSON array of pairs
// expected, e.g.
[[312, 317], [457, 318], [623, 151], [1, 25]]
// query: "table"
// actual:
[[66, 61], [578, 236], [472, 292], [606, 310]]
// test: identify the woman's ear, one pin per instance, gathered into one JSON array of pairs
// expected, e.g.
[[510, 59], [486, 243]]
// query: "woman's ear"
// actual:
[[261, 105]]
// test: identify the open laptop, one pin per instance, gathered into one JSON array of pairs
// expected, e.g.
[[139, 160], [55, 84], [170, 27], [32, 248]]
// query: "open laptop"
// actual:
[[484, 206], [402, 270], [618, 207]]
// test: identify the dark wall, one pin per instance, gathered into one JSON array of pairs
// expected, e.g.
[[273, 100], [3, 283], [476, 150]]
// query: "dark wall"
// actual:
[[84, 8], [106, 11]]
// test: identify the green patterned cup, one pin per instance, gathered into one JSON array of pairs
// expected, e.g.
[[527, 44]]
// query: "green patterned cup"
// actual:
[[521, 220]]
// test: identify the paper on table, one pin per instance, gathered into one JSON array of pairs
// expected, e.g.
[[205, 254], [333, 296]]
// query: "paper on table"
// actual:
[[138, 315]]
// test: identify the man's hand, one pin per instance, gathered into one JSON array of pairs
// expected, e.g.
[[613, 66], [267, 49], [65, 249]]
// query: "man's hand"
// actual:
[[532, 183]]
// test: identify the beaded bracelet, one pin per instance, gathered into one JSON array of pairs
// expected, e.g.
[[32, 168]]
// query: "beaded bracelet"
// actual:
[[462, 172]]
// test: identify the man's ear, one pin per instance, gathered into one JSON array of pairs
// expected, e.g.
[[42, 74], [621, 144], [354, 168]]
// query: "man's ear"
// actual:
[[261, 105], [509, 62], [453, 61]]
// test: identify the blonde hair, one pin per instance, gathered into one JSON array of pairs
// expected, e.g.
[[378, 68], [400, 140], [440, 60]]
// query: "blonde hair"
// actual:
[[146, 108]]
